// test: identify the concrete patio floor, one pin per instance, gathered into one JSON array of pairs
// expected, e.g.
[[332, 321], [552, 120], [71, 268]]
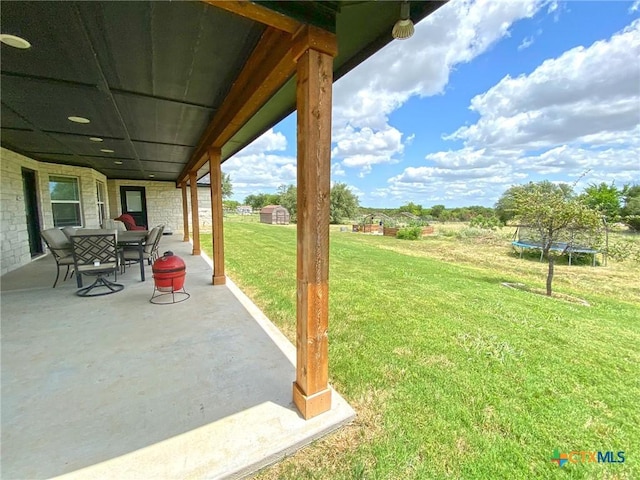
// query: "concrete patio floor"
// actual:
[[116, 387]]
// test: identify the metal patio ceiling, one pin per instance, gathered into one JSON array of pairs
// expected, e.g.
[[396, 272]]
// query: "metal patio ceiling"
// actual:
[[151, 76]]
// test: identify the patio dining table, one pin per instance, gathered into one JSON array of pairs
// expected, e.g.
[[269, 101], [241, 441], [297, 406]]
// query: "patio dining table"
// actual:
[[134, 237]]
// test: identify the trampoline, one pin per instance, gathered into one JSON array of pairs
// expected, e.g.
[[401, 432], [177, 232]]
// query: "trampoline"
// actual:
[[524, 239]]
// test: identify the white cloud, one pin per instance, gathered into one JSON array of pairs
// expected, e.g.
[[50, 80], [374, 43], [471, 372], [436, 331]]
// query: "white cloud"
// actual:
[[337, 170], [621, 163], [269, 141], [526, 43], [365, 147], [260, 172], [573, 114], [483, 175], [456, 33], [255, 169], [635, 7], [584, 93]]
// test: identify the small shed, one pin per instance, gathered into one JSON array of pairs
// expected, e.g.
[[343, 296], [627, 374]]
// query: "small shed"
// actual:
[[275, 215]]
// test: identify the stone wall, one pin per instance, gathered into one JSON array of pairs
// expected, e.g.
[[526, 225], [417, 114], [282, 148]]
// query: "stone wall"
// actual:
[[13, 224], [164, 203]]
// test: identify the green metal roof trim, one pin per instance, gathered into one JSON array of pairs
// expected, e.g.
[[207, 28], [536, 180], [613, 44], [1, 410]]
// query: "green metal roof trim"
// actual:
[[320, 14]]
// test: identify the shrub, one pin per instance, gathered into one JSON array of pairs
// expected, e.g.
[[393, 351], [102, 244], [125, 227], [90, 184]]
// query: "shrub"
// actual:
[[625, 249], [633, 221], [409, 233], [418, 223], [490, 223], [470, 232]]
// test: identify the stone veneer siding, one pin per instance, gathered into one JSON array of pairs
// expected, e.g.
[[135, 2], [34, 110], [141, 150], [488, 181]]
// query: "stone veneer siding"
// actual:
[[164, 203], [13, 220]]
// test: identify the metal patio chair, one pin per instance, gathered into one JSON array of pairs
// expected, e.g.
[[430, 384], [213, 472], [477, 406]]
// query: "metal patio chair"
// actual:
[[150, 250], [60, 249], [95, 253]]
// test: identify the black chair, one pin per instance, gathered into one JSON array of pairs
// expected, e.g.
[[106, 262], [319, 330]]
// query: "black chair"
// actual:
[[61, 251], [95, 253]]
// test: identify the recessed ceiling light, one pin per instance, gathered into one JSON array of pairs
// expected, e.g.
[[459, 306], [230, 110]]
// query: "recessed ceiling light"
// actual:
[[96, 139], [106, 150], [151, 176], [117, 162], [13, 41], [79, 119]]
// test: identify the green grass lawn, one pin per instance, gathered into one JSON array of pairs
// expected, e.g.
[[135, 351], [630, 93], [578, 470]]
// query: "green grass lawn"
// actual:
[[453, 375]]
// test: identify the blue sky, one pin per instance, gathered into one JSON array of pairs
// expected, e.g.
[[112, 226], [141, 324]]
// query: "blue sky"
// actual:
[[485, 95]]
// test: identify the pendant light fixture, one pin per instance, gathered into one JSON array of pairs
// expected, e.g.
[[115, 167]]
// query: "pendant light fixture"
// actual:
[[403, 28]]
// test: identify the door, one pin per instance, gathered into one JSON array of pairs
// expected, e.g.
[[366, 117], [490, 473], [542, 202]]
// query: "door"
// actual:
[[134, 202], [29, 189]]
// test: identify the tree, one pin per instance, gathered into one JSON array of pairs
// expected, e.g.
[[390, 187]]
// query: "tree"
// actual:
[[259, 200], [254, 201], [436, 211], [551, 212], [230, 204], [289, 200], [604, 198], [412, 208], [505, 206], [344, 204], [227, 188], [631, 210]]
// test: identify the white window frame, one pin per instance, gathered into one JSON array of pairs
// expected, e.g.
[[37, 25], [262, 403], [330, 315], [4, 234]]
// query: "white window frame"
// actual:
[[101, 188], [76, 202]]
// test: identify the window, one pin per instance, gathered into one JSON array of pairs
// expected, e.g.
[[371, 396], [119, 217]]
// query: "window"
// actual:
[[101, 205], [65, 201]]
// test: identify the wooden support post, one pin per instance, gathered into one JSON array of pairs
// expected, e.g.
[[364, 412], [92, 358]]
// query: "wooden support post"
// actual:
[[195, 218], [215, 174], [185, 213], [313, 49]]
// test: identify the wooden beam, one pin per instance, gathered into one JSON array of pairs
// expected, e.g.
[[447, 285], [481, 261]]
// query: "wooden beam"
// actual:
[[269, 66], [257, 13], [313, 38], [195, 218], [311, 392], [215, 174], [185, 213]]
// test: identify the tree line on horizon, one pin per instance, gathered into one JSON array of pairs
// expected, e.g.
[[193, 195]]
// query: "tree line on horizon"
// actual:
[[613, 203], [610, 202], [344, 203]]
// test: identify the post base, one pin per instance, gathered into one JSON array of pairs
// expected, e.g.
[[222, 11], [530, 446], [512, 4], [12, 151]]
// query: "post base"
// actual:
[[311, 405], [185, 238], [195, 252], [219, 280]]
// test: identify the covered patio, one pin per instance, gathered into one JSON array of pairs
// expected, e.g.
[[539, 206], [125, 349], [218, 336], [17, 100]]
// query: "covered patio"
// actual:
[[116, 387], [130, 103]]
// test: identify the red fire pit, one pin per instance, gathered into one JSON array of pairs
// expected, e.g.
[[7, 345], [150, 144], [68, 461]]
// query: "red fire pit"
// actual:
[[169, 272]]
